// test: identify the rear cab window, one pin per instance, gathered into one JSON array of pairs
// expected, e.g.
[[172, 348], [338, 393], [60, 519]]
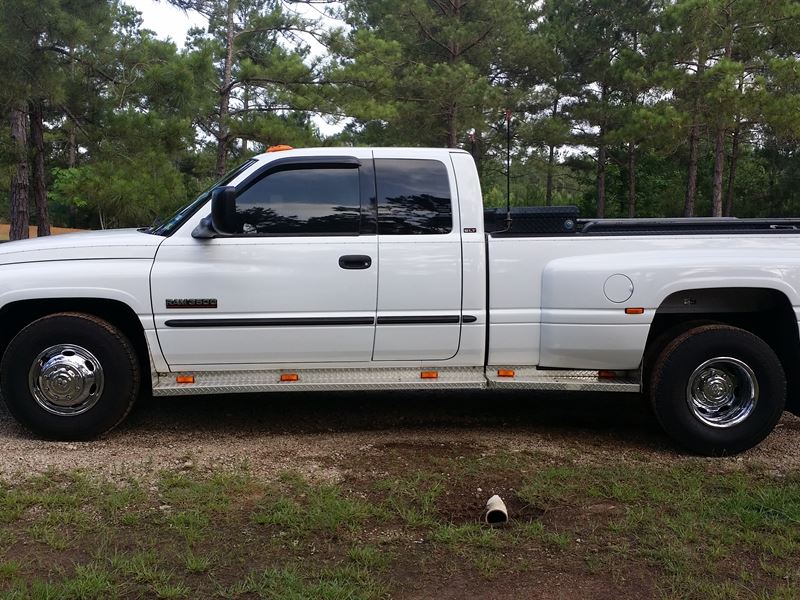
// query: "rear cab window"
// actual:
[[414, 197]]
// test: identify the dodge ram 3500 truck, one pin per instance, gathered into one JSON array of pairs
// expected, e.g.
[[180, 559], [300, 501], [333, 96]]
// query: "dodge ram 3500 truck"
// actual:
[[378, 268]]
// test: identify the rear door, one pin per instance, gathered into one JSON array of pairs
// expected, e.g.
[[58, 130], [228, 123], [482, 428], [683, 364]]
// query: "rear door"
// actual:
[[419, 245]]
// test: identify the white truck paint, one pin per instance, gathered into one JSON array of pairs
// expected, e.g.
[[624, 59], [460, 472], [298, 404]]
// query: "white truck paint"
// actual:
[[554, 312]]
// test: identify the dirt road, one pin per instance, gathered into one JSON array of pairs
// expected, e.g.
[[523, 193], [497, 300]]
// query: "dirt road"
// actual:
[[316, 434]]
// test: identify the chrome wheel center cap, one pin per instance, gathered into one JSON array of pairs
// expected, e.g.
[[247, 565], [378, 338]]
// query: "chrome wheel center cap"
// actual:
[[66, 379], [715, 386]]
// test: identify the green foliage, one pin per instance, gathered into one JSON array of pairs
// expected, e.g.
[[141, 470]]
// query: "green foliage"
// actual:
[[420, 71], [119, 193], [600, 92]]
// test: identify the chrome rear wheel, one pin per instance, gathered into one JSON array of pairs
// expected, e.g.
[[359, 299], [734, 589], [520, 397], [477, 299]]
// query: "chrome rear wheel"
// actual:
[[717, 389], [722, 391]]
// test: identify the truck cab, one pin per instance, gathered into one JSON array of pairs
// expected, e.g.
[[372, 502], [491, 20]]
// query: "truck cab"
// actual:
[[351, 257]]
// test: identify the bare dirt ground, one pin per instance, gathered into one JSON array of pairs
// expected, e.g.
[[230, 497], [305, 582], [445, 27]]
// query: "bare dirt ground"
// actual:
[[603, 505], [317, 434], [4, 227]]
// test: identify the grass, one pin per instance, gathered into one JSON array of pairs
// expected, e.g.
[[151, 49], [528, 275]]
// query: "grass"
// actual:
[[636, 529], [303, 510]]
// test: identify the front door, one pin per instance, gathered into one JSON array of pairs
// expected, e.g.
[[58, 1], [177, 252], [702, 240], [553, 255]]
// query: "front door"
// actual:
[[297, 284]]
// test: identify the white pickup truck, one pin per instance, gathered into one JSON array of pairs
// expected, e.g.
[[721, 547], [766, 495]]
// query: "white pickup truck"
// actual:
[[370, 268]]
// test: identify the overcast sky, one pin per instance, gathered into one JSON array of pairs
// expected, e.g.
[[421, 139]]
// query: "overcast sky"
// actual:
[[166, 20]]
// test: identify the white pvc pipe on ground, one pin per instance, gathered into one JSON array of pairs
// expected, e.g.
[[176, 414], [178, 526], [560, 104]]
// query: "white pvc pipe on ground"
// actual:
[[496, 511]]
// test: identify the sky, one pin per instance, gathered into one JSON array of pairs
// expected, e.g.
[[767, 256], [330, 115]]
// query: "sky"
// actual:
[[166, 20], [173, 23]]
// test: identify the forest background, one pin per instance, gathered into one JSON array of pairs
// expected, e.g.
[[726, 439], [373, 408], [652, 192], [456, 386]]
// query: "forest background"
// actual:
[[646, 108]]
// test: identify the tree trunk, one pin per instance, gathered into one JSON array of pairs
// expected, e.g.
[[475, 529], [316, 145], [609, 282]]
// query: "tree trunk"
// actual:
[[454, 53], [632, 150], [719, 168], [452, 131], [694, 142], [732, 172], [733, 159], [72, 147], [691, 181], [631, 180], [719, 142], [246, 107], [601, 177], [551, 163], [601, 160], [38, 176], [548, 199], [223, 135], [20, 182]]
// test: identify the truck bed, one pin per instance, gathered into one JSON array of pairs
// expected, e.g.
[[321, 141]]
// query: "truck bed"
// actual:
[[564, 221]]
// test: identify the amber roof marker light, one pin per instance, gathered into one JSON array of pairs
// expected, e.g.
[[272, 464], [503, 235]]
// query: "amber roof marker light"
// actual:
[[279, 148]]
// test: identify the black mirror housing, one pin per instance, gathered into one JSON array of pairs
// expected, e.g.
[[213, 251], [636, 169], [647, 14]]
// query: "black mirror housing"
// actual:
[[223, 210], [204, 230]]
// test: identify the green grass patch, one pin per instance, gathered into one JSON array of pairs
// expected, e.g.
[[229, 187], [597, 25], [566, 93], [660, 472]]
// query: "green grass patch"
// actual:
[[677, 531], [306, 509]]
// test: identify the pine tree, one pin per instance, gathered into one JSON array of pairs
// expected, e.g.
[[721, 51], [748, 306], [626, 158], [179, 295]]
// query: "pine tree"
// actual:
[[256, 56], [424, 72]]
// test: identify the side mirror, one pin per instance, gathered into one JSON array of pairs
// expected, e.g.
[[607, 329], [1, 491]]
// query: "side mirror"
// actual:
[[223, 210]]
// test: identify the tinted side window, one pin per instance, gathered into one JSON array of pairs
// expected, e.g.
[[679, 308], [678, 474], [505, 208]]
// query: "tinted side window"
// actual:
[[302, 202], [413, 197]]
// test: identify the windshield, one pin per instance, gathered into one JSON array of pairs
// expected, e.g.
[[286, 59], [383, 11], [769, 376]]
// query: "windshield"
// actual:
[[176, 220]]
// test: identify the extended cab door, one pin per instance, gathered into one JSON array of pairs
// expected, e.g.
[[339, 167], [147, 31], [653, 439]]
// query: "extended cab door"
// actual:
[[297, 284], [419, 244]]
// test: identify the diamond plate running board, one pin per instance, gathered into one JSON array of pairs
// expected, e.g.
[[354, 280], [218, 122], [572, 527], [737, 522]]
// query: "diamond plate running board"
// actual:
[[531, 378], [311, 380]]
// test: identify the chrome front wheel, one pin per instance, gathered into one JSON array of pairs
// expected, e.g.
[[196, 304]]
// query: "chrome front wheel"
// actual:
[[66, 380]]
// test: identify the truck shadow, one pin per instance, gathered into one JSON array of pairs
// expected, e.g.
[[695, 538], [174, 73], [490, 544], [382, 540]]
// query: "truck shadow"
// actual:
[[625, 417]]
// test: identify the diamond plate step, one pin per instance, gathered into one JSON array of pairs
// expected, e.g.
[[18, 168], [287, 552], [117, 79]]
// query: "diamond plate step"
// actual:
[[531, 378], [227, 382]]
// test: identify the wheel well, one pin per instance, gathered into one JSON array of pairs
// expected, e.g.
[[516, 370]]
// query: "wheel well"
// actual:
[[16, 315], [765, 312]]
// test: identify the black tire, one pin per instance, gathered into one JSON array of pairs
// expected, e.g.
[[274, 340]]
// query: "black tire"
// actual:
[[657, 345], [670, 394], [112, 401]]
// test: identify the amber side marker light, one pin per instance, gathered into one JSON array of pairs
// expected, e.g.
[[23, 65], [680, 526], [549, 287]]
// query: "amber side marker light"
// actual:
[[606, 374], [290, 377], [184, 379], [429, 375], [506, 372], [634, 311], [279, 148]]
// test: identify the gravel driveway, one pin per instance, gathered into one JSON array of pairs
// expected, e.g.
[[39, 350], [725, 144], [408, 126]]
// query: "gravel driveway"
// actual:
[[317, 434]]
